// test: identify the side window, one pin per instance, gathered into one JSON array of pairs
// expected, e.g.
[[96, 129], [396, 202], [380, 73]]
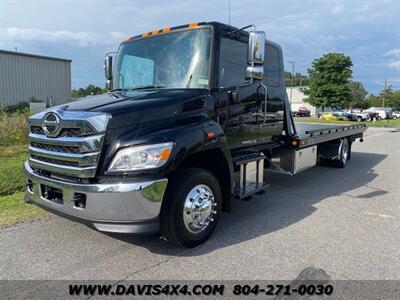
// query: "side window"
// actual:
[[232, 63], [272, 66]]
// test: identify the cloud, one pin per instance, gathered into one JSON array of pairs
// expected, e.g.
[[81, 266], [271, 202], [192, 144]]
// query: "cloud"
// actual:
[[80, 39], [393, 52], [394, 64], [395, 61]]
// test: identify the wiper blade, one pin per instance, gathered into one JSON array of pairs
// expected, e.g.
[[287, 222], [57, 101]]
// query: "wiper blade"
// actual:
[[147, 87], [139, 88], [118, 90]]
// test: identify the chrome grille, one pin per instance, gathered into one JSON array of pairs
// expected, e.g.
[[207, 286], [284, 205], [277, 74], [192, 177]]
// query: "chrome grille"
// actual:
[[70, 132], [55, 148], [37, 130], [75, 149], [55, 161]]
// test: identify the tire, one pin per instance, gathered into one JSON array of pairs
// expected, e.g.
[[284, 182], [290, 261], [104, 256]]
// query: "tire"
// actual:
[[188, 189], [345, 150], [359, 119]]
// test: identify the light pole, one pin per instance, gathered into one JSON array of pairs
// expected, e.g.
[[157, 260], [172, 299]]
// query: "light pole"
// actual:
[[291, 86]]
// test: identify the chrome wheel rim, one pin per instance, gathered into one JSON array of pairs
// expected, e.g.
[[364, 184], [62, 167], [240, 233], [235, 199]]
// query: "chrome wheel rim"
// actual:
[[345, 150], [199, 208]]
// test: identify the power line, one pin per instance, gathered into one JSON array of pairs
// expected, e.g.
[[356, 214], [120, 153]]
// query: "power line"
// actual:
[[384, 93]]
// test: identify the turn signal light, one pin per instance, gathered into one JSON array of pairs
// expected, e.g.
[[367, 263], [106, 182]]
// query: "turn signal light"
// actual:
[[165, 154]]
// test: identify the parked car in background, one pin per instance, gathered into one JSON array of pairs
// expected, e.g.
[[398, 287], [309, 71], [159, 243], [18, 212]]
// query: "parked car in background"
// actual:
[[360, 115], [302, 112], [396, 114], [383, 112], [338, 116]]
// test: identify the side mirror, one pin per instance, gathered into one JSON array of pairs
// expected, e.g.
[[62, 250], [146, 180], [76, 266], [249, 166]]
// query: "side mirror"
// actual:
[[256, 53], [256, 48], [108, 67], [109, 85]]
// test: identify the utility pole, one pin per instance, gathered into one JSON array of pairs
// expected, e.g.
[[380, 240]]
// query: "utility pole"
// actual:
[[291, 87], [384, 93], [229, 12]]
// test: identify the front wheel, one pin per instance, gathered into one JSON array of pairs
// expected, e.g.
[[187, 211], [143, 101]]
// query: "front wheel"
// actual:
[[191, 208]]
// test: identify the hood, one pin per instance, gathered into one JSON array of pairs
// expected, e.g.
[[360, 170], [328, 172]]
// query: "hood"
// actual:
[[134, 107]]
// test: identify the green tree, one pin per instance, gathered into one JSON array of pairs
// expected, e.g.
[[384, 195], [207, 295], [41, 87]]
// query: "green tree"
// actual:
[[358, 95], [89, 90], [392, 98], [329, 79], [374, 100]]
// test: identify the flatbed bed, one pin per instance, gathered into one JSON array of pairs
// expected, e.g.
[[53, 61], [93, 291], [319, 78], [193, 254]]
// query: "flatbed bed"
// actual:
[[315, 133]]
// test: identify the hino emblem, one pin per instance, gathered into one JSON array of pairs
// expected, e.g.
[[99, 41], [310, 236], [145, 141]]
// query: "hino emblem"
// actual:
[[51, 124]]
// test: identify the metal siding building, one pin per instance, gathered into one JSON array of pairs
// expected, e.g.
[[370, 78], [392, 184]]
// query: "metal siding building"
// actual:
[[27, 76]]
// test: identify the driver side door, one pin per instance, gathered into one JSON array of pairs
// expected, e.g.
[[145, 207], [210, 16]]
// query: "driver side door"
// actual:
[[238, 101]]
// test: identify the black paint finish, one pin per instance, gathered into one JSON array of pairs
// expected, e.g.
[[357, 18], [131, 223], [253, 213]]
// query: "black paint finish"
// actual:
[[184, 116]]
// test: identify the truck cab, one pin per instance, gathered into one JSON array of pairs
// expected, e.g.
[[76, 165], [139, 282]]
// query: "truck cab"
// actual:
[[193, 115]]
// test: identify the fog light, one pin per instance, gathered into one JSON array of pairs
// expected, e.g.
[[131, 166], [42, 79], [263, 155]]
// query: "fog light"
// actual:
[[79, 200], [29, 186]]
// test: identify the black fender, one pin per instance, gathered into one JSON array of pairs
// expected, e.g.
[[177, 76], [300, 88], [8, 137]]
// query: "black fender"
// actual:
[[191, 141]]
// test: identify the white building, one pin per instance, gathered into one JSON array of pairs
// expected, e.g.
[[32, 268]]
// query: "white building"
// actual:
[[296, 99]]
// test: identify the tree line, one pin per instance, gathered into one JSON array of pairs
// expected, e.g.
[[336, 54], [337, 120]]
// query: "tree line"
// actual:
[[87, 91], [329, 84]]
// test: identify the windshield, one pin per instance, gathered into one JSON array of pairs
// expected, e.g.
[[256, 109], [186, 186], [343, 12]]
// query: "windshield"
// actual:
[[174, 60]]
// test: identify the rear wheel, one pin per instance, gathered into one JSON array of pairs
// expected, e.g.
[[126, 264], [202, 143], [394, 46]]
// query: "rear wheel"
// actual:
[[191, 208], [344, 155], [359, 119]]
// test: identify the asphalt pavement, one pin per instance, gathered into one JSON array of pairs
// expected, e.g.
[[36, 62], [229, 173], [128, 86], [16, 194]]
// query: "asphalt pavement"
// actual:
[[342, 223]]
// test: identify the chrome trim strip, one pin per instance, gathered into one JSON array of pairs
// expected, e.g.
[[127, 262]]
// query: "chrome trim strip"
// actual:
[[81, 172], [92, 188], [88, 159], [85, 144]]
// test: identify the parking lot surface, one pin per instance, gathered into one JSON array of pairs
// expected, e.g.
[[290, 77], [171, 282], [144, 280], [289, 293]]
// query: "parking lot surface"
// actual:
[[342, 223]]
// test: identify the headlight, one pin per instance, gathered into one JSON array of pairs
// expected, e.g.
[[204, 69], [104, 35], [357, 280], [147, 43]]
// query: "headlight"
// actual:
[[141, 157]]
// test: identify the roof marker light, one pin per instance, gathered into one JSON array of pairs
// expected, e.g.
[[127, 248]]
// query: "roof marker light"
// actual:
[[193, 24]]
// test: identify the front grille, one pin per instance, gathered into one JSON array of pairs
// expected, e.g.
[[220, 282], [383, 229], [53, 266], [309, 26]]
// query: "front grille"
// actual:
[[37, 130], [74, 153], [70, 132], [61, 177], [55, 161], [55, 148]]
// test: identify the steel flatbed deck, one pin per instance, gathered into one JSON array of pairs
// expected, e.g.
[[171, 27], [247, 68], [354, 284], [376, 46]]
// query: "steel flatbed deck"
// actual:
[[315, 133]]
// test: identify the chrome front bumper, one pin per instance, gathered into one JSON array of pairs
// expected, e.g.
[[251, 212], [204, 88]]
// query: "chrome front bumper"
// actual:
[[125, 207]]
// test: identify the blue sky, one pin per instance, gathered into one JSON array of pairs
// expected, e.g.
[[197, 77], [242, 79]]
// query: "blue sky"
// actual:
[[368, 31]]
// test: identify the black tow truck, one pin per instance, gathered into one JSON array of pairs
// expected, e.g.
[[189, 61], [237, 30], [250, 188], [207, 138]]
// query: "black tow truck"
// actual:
[[194, 116]]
